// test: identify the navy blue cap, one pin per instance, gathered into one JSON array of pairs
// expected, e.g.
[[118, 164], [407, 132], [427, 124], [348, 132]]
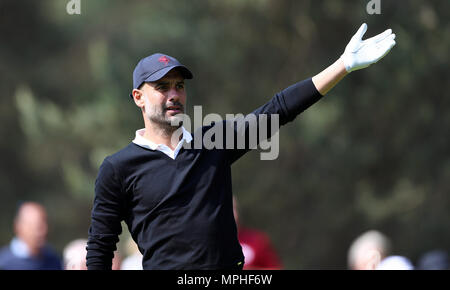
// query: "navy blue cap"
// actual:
[[155, 67]]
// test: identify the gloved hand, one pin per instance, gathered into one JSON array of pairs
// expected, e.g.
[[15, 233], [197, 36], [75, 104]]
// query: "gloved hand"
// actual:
[[360, 53]]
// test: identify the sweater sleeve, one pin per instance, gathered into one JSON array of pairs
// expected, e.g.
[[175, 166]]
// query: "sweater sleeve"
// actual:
[[106, 219], [295, 99], [285, 105]]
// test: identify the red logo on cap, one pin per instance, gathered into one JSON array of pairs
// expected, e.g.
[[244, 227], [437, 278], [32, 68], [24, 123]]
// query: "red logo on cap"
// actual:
[[164, 60]]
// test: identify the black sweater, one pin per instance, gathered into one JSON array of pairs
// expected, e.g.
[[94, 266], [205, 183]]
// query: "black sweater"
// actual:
[[180, 211]]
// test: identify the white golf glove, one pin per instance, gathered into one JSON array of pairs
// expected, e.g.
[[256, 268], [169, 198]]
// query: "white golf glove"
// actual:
[[360, 53]]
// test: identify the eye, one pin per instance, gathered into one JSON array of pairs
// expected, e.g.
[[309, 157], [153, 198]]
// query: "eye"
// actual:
[[162, 88], [180, 86]]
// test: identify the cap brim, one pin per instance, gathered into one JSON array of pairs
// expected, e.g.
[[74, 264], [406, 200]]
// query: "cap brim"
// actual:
[[185, 72], [161, 73]]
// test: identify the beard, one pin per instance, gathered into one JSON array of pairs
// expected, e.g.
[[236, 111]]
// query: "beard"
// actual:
[[158, 116]]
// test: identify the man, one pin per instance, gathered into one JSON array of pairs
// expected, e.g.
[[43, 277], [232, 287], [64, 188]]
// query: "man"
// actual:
[[367, 250], [177, 200], [29, 249]]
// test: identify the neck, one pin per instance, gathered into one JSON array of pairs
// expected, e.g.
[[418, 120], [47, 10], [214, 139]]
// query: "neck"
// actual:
[[34, 251], [161, 135]]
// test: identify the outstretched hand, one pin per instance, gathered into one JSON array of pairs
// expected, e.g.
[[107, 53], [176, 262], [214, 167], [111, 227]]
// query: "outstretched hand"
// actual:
[[360, 53]]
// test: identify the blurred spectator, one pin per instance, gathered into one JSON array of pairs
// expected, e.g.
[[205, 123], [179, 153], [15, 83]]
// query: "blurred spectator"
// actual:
[[133, 260], [75, 255], [28, 250], [434, 260], [395, 263], [367, 251], [258, 251]]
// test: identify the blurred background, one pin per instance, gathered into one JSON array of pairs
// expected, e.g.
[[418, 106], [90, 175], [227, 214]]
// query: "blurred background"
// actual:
[[373, 154]]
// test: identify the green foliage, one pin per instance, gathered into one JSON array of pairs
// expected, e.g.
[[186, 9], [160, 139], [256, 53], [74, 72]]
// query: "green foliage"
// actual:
[[374, 153]]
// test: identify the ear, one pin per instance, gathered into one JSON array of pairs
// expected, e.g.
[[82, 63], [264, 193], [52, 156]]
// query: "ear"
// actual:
[[138, 97]]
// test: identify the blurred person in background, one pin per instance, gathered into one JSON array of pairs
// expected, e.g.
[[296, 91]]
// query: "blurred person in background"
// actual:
[[434, 260], [29, 250], [74, 255], [258, 250], [367, 250], [371, 251]]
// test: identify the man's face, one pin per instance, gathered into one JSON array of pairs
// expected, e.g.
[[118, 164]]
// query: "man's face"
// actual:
[[165, 99], [31, 226]]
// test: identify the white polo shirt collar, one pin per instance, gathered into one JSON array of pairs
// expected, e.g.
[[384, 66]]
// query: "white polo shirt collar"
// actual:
[[143, 142]]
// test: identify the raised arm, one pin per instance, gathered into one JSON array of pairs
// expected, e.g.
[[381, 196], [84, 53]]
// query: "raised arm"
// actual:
[[358, 54], [292, 101]]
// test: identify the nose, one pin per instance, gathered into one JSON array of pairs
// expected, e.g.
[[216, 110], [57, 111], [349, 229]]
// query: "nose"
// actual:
[[173, 95]]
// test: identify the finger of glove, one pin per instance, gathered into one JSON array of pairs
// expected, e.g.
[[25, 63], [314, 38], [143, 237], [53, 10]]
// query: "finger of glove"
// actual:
[[360, 33], [382, 42], [379, 37], [384, 48]]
